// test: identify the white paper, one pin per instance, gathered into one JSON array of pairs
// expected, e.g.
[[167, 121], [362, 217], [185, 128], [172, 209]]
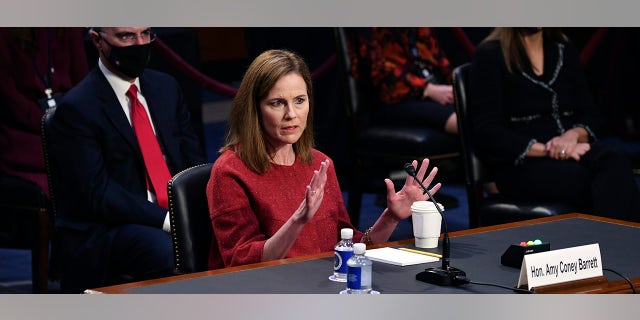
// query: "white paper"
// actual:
[[398, 257]]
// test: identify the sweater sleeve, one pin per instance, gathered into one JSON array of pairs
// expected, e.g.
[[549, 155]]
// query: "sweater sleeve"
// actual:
[[235, 225]]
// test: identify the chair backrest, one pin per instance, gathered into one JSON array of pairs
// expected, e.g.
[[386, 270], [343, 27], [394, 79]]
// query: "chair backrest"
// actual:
[[476, 172], [45, 125], [25, 222], [345, 64], [45, 133], [190, 223], [358, 92]]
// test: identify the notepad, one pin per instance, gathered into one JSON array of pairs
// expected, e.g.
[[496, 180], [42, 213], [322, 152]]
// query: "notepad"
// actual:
[[398, 257]]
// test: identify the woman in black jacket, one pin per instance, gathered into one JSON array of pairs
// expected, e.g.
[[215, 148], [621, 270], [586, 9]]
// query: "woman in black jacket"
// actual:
[[536, 123]]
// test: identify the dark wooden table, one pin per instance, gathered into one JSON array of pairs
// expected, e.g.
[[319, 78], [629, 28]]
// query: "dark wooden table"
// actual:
[[600, 285]]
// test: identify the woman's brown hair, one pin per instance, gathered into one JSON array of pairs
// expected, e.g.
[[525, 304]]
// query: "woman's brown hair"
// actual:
[[246, 135], [512, 43]]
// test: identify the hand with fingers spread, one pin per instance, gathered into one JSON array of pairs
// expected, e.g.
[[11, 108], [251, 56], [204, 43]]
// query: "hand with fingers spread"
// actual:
[[279, 244], [314, 194], [399, 203]]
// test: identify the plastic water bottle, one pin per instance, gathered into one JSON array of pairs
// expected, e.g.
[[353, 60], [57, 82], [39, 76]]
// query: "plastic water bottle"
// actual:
[[359, 271], [341, 254]]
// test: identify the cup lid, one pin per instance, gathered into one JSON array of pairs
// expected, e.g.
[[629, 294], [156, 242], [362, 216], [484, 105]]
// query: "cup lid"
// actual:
[[425, 205]]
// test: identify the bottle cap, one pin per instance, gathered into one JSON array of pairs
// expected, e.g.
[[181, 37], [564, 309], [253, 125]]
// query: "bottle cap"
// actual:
[[346, 233], [359, 248]]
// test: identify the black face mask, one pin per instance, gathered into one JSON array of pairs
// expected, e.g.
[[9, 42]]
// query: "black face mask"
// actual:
[[130, 60]]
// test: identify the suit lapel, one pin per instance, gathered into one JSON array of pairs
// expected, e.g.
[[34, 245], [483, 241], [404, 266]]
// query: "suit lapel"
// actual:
[[160, 114], [113, 110], [159, 110], [155, 104]]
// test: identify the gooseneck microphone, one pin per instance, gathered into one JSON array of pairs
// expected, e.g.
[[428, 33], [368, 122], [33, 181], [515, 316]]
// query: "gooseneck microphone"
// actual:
[[446, 275]]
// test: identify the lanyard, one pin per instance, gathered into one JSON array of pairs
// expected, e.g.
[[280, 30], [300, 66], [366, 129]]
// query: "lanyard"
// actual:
[[47, 76]]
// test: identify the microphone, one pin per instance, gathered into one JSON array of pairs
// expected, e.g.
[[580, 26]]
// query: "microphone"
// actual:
[[446, 275]]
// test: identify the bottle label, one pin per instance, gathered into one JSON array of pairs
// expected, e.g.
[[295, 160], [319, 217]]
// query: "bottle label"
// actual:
[[340, 260], [354, 276]]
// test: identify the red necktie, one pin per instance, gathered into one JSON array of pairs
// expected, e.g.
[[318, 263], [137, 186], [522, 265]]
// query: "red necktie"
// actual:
[[157, 171]]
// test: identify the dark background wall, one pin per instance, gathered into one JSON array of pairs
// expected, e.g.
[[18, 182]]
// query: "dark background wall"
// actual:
[[224, 53]]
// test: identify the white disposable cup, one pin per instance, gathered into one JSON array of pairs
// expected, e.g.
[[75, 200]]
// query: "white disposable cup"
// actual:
[[426, 223]]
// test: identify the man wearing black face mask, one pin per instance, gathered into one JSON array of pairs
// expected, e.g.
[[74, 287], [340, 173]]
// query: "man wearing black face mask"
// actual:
[[129, 53], [116, 140]]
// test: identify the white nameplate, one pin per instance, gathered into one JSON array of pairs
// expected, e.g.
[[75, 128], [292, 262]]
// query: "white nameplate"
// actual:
[[557, 266]]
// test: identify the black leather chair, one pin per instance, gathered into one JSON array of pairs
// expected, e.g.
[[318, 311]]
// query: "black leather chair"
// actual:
[[378, 148], [25, 210], [52, 177], [27, 215], [489, 209], [190, 223]]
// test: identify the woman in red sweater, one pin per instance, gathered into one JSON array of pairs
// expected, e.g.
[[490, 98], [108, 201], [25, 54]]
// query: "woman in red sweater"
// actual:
[[271, 194]]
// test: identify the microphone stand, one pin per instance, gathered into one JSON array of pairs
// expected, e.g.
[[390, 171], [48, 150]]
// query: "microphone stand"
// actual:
[[446, 275]]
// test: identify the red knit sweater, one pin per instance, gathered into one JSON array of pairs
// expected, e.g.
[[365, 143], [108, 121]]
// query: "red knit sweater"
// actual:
[[246, 209]]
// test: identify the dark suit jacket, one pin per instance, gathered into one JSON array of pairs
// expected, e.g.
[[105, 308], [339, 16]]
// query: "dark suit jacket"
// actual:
[[100, 174]]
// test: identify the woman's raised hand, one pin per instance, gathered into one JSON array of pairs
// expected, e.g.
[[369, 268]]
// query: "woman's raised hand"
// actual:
[[314, 193], [399, 203]]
